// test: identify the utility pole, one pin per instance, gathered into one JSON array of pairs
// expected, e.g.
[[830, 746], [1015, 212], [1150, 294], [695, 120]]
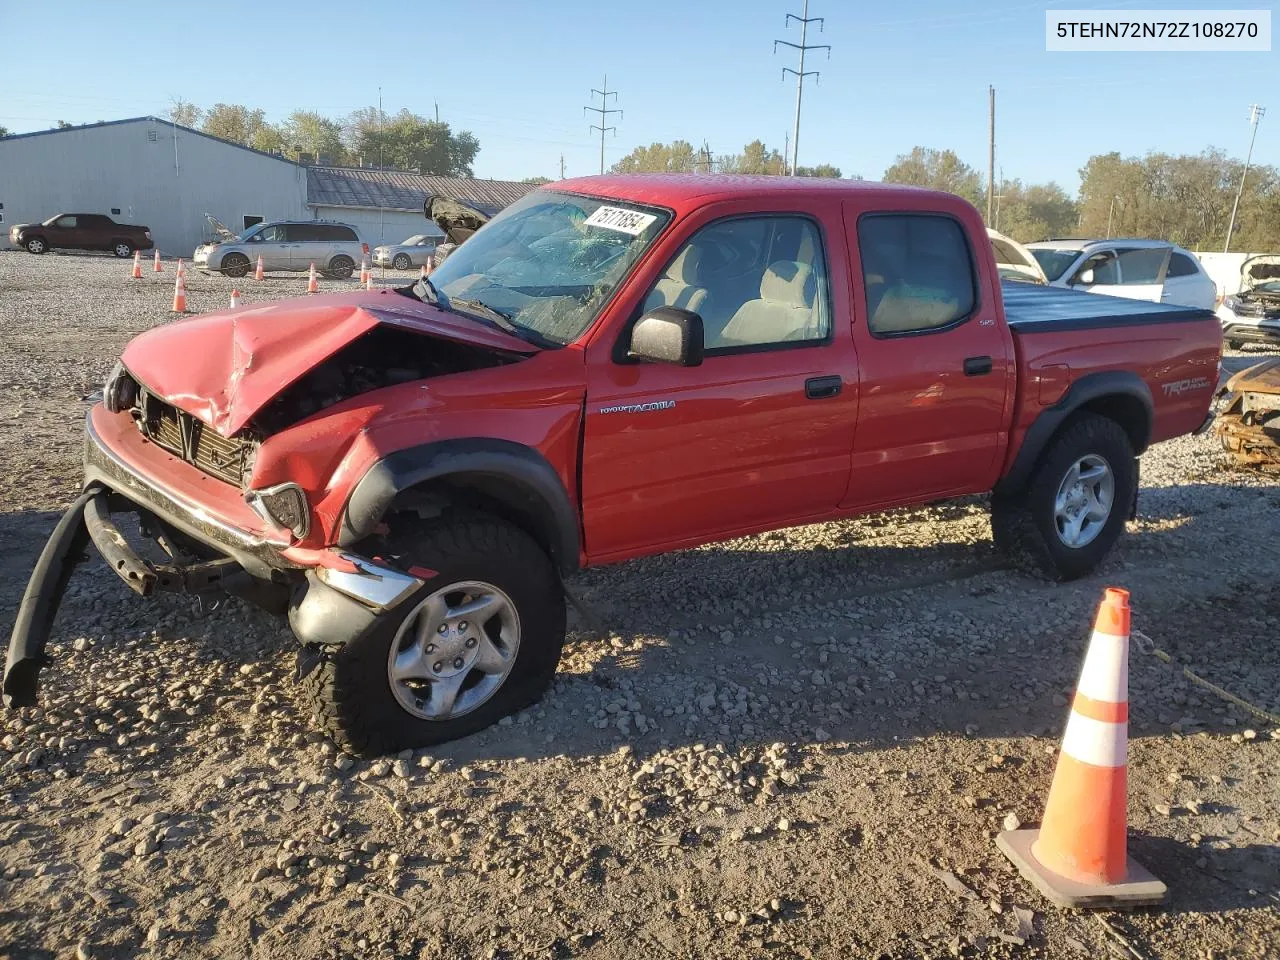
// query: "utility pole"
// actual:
[[604, 112], [1110, 211], [786, 150], [437, 103], [562, 166], [804, 20], [1255, 117], [991, 147], [382, 217]]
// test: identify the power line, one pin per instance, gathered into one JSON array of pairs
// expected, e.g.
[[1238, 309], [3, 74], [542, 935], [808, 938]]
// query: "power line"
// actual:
[[804, 20], [604, 112], [1255, 117]]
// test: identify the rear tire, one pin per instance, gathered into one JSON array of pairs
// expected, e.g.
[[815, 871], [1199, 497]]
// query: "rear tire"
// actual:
[[235, 265], [341, 268], [122, 248], [351, 689], [37, 246], [1235, 344], [1029, 526], [402, 262]]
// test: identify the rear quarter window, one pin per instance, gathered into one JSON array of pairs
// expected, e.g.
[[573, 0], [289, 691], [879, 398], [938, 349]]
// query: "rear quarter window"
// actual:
[[1180, 265]]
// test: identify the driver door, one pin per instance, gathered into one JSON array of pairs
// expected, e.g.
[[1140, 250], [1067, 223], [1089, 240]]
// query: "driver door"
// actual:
[[272, 245], [1100, 273]]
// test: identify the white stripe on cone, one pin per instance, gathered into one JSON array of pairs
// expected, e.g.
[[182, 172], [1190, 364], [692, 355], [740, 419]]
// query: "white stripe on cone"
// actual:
[[1105, 674], [1096, 742]]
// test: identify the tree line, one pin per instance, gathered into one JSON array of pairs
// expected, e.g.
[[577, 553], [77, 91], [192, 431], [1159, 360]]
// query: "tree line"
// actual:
[[402, 140], [680, 156]]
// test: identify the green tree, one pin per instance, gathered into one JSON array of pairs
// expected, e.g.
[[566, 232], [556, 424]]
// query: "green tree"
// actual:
[[269, 139], [675, 157], [938, 169], [1034, 212], [63, 125], [754, 158], [821, 170], [234, 122], [410, 142], [308, 132], [4, 131], [185, 114], [536, 181]]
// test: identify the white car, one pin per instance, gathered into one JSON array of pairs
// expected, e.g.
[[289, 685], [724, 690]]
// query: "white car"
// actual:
[[413, 252], [1252, 314], [1013, 260], [1137, 269]]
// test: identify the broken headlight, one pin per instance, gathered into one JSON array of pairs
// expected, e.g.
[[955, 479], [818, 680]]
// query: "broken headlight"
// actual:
[[120, 392], [284, 505]]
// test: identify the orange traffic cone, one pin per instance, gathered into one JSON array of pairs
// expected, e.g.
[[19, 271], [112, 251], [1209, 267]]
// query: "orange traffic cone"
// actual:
[[235, 298], [136, 273], [424, 271], [182, 271], [312, 285], [258, 274], [365, 272], [1078, 856], [158, 270], [368, 283], [179, 294]]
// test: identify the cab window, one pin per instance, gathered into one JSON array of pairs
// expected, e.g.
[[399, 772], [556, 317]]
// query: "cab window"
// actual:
[[917, 272]]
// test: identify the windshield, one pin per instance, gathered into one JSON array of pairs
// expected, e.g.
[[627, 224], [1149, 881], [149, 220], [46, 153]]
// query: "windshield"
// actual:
[[548, 263], [413, 241], [1054, 262], [253, 231]]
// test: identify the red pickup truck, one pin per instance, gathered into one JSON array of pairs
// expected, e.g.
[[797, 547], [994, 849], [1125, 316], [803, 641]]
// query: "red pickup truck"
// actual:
[[611, 367]]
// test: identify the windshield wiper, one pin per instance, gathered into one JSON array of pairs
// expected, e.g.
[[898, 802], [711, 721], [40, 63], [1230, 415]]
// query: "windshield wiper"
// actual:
[[427, 292], [499, 317]]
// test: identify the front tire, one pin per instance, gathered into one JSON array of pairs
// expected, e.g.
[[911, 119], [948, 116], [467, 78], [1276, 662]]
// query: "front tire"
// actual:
[[235, 265], [37, 246], [1074, 508], [1235, 344], [401, 261], [341, 268], [479, 641]]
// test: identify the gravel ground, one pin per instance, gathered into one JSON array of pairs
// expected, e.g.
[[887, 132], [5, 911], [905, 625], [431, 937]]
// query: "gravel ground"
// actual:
[[799, 744]]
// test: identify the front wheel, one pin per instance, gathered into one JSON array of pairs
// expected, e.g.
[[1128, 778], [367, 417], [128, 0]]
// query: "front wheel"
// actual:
[[235, 265], [479, 641], [37, 246], [402, 261], [1073, 509], [1235, 344]]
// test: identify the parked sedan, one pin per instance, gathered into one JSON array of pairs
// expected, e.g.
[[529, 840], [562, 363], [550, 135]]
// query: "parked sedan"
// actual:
[[1252, 314], [414, 252], [1136, 269]]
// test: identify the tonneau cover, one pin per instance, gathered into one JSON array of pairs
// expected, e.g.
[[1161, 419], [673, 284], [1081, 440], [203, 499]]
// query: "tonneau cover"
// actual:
[[1032, 308]]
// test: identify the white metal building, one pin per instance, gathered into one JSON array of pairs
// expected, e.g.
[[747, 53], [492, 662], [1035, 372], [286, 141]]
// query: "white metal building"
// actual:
[[146, 171], [150, 171]]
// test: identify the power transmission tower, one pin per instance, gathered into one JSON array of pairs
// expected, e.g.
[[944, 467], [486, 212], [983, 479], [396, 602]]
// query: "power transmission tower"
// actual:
[[804, 20], [1255, 117], [604, 112]]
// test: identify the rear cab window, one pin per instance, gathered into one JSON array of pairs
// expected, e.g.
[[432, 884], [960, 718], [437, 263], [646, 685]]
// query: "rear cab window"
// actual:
[[918, 273]]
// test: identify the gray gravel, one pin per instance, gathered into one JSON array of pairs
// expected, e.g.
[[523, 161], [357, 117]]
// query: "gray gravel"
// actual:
[[795, 744]]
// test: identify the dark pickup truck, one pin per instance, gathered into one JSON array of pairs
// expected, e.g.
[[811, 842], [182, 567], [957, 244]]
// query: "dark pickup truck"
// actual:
[[81, 231]]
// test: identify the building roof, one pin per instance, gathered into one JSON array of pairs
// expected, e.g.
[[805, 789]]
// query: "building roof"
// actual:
[[148, 119], [392, 190]]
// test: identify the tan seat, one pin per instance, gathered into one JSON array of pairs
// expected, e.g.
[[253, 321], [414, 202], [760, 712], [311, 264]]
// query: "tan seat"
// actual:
[[786, 309], [679, 285]]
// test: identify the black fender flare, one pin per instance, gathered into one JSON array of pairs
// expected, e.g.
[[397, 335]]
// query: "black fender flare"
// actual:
[[531, 484], [1088, 389]]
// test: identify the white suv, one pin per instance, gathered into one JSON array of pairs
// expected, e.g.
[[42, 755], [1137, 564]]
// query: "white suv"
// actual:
[[1137, 269]]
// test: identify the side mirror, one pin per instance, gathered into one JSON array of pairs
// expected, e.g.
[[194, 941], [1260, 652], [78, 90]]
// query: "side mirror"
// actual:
[[668, 335], [1084, 278]]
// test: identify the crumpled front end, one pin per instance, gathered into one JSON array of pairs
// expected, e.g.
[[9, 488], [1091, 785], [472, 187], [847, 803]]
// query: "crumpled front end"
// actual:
[[1249, 424]]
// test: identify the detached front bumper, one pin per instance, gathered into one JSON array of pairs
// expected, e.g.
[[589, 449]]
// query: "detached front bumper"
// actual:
[[328, 604]]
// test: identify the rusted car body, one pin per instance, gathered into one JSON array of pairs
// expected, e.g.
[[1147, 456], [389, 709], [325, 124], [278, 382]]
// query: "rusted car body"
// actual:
[[1249, 424]]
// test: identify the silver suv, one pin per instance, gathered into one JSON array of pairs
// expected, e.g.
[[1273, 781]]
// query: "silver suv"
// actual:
[[335, 248]]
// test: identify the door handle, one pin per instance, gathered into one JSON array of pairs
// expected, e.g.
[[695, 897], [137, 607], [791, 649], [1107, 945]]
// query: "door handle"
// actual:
[[819, 388], [977, 366]]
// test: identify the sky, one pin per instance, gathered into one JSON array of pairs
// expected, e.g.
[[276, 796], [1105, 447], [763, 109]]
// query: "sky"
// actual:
[[518, 74]]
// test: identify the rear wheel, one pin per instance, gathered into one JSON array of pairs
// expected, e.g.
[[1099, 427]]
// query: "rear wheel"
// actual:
[[37, 245], [122, 248], [402, 261], [235, 265], [341, 267], [479, 641], [1235, 344], [1074, 507]]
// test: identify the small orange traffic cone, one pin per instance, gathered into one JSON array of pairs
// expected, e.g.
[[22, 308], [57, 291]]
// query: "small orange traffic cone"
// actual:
[[258, 274], [1078, 856], [312, 284], [425, 272], [182, 271], [368, 283], [179, 294], [235, 298], [158, 270], [136, 273], [365, 272]]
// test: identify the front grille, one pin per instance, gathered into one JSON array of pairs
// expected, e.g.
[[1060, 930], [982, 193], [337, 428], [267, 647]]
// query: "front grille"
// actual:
[[185, 436]]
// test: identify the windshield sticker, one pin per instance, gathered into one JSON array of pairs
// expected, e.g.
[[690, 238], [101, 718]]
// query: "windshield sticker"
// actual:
[[632, 222]]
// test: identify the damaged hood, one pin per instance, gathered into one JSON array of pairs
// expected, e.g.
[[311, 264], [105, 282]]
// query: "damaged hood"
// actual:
[[1260, 269], [458, 219], [222, 368], [220, 229]]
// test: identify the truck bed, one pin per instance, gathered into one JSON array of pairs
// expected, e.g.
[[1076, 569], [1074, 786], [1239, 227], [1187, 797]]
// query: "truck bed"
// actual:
[[1033, 308]]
